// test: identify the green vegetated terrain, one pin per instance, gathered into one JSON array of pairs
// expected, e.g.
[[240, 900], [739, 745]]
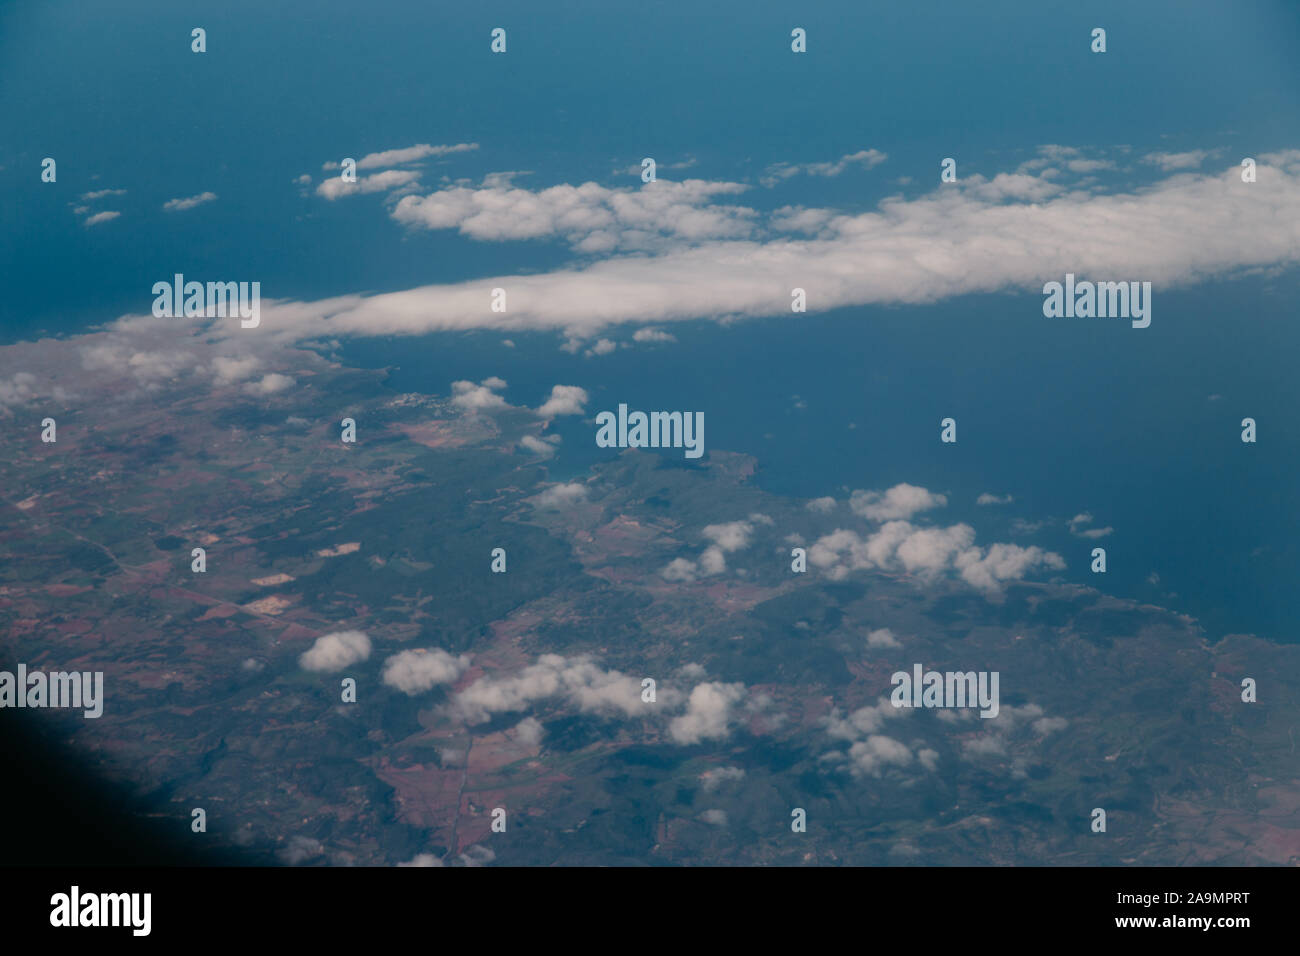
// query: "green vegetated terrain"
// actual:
[[1104, 703]]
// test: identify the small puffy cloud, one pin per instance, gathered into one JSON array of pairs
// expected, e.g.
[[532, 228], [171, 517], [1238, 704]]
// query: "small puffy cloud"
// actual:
[[537, 446], [561, 496], [416, 671], [708, 713], [300, 849], [17, 390], [189, 202], [871, 756], [101, 193], [900, 501], [712, 561], [270, 384], [927, 552], [882, 637], [1003, 562], [592, 218], [478, 398], [821, 505], [529, 731], [717, 776], [333, 652], [146, 366], [602, 347], [680, 569], [579, 681], [863, 721], [564, 400], [477, 856], [732, 536], [714, 817], [991, 499], [99, 217], [227, 370]]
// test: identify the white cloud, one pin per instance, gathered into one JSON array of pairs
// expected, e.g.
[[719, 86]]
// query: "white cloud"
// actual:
[[179, 205], [478, 398], [712, 561], [529, 731], [270, 384], [561, 496], [416, 671], [300, 849], [477, 855], [882, 637], [714, 817], [335, 187], [1079, 527], [592, 218], [900, 501], [863, 721], [708, 713], [821, 505], [866, 158], [101, 193], [1172, 161], [870, 752], [408, 154], [652, 335], [927, 552], [713, 778], [333, 652], [17, 390], [680, 569], [1048, 725], [99, 217], [564, 400], [732, 536], [147, 366], [871, 756], [537, 446], [579, 681], [727, 537], [227, 369], [974, 236], [989, 498]]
